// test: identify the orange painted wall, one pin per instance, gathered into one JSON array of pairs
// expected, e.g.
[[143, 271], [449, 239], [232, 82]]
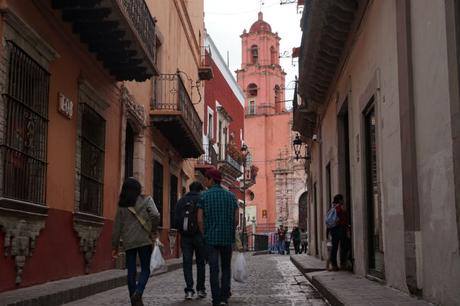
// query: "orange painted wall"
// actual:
[[74, 62], [58, 240], [266, 135]]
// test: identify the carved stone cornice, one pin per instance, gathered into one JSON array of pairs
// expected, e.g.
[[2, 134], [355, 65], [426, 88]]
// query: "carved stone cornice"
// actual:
[[21, 231], [135, 112], [88, 228]]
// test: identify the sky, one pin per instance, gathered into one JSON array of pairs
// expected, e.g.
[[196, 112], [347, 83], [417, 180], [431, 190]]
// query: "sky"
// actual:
[[225, 21]]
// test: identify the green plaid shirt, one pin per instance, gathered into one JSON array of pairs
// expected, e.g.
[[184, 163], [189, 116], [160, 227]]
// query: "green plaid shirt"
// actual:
[[218, 207]]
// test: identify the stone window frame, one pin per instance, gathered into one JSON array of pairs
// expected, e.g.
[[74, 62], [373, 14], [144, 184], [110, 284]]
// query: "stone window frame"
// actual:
[[89, 96], [87, 226], [21, 221], [134, 114]]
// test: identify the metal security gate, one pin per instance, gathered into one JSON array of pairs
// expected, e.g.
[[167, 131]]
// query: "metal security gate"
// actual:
[[24, 145]]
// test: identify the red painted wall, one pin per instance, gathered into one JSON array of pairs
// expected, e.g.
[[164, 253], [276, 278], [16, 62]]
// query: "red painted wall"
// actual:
[[218, 89], [57, 254]]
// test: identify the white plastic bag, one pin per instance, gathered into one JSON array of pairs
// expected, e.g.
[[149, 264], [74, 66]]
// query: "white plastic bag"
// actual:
[[157, 262], [239, 269]]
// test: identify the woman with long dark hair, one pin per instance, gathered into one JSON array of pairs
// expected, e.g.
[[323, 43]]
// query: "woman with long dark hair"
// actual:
[[136, 222]]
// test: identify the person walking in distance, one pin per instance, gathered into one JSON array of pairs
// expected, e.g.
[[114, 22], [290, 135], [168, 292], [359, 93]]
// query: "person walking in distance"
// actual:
[[304, 241], [281, 239], [136, 221], [338, 233], [192, 241], [217, 220], [295, 236]]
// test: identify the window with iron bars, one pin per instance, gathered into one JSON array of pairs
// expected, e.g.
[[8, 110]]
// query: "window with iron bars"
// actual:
[[92, 160], [23, 147]]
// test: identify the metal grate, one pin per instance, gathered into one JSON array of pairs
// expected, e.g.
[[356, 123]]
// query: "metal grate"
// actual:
[[143, 22], [24, 148], [171, 95], [92, 161]]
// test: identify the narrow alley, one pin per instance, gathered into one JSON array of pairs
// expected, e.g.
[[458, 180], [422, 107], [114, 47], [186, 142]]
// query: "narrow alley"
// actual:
[[273, 280]]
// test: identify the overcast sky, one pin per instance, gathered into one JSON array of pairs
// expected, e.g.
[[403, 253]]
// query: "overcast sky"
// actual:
[[225, 21]]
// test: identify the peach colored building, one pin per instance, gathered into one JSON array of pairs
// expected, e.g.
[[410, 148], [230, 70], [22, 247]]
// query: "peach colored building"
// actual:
[[84, 103], [267, 123]]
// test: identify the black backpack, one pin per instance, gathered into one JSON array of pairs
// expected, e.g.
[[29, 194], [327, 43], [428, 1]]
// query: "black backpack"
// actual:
[[189, 225]]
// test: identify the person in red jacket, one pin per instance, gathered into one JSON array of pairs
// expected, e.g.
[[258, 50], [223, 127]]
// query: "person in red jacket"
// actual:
[[339, 233]]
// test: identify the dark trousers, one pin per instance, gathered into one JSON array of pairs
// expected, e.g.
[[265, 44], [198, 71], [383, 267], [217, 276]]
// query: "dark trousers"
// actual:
[[297, 246], [287, 247], [191, 244], [304, 247], [144, 256], [338, 234], [220, 289]]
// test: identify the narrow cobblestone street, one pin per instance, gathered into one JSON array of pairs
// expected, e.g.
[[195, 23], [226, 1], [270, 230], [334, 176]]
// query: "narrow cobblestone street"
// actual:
[[273, 280]]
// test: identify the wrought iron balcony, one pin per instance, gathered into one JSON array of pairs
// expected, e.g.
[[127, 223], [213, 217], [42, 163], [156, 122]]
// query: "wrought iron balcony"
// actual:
[[120, 32], [173, 113], [209, 157], [205, 69], [230, 169]]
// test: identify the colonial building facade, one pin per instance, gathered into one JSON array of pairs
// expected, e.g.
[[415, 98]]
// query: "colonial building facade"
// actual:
[[380, 113], [89, 96], [267, 126]]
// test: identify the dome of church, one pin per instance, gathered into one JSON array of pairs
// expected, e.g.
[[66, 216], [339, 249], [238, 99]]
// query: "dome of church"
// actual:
[[260, 25]]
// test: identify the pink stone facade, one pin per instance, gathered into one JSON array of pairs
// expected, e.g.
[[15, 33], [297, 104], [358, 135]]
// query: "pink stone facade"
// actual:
[[267, 123]]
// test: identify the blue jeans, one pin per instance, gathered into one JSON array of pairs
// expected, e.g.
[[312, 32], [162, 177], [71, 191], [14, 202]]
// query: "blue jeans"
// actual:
[[189, 245], [281, 247], [144, 255], [220, 289]]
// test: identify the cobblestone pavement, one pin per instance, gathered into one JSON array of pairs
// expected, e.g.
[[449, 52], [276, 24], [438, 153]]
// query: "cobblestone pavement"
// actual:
[[273, 280]]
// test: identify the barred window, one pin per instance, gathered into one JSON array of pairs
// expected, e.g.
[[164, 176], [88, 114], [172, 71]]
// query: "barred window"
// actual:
[[92, 141], [24, 144]]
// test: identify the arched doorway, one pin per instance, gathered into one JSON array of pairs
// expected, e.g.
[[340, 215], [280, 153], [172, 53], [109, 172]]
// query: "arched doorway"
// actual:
[[303, 210]]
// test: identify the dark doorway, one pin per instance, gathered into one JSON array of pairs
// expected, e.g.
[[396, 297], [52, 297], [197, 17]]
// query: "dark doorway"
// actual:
[[172, 198], [158, 188], [303, 210], [374, 209], [129, 151], [344, 169]]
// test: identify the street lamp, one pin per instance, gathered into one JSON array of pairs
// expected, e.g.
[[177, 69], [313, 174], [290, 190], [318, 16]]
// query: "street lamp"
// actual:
[[297, 144], [244, 151]]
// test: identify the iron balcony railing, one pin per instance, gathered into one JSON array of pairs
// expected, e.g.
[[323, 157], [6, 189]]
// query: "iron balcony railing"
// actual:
[[141, 20], [120, 32], [210, 155], [171, 95]]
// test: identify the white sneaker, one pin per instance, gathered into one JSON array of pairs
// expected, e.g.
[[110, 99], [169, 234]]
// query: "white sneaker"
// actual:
[[201, 294], [189, 295]]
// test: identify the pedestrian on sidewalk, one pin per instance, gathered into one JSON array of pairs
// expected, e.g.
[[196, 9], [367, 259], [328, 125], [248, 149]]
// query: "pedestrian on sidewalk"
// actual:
[[217, 220], [303, 241], [192, 240], [281, 233], [136, 222], [295, 236], [338, 233], [287, 242]]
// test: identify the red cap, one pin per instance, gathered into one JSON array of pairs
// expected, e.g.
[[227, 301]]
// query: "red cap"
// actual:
[[214, 174]]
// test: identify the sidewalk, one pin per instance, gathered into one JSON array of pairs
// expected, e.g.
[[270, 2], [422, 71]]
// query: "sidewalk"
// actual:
[[344, 288], [71, 289]]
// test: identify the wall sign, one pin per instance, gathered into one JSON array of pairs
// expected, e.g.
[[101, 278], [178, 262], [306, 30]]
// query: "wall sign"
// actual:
[[65, 106]]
